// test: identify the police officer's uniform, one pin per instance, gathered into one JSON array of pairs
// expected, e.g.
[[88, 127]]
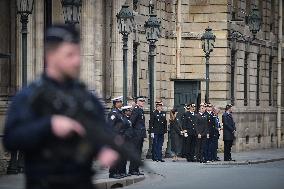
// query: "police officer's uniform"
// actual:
[[201, 129], [138, 122], [116, 121], [128, 134], [189, 124], [158, 127], [228, 133], [209, 145], [30, 130]]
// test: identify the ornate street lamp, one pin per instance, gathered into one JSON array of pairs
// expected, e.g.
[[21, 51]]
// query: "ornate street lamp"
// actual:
[[125, 21], [71, 11], [24, 9], [153, 30], [254, 21], [208, 40]]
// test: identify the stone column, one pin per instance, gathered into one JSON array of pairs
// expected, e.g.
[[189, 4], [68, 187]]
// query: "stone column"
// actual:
[[87, 43], [116, 52], [38, 64], [99, 46]]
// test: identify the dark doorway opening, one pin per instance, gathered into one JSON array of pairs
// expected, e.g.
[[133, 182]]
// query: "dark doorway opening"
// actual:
[[185, 92]]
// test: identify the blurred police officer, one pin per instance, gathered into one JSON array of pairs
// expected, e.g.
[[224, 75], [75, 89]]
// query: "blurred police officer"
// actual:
[[115, 118], [38, 135], [138, 122], [158, 127], [202, 132], [188, 126], [229, 130]]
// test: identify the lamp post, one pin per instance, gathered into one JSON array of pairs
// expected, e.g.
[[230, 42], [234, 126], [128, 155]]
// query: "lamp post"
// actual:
[[71, 11], [208, 39], [24, 9], [152, 26], [125, 20], [254, 22]]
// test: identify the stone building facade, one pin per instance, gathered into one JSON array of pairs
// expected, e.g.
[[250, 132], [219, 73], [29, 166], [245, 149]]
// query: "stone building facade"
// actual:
[[242, 73]]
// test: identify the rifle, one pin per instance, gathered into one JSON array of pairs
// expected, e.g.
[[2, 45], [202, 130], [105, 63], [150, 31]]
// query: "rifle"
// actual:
[[78, 104]]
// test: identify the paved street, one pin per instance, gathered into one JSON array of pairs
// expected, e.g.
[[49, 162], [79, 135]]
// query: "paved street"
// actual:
[[184, 175]]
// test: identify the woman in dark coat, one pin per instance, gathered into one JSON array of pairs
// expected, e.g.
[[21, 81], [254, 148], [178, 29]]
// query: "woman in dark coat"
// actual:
[[175, 134]]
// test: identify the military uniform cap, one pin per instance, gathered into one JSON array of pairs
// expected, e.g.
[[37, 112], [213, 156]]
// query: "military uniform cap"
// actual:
[[159, 103], [203, 104], [117, 99], [208, 105], [124, 108], [140, 98], [228, 106]]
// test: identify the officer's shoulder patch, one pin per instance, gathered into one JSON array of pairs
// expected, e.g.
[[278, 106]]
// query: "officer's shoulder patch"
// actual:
[[112, 117]]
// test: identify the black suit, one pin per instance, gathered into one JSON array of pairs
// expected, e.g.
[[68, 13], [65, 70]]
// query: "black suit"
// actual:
[[202, 129], [158, 126], [228, 134], [138, 122], [188, 124]]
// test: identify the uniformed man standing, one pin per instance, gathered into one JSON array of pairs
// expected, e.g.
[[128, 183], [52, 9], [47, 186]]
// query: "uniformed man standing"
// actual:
[[209, 146], [158, 127], [115, 119], [202, 132], [188, 126], [138, 122], [128, 134], [229, 130], [48, 136]]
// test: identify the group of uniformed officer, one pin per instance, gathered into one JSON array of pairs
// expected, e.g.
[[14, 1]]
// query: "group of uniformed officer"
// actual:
[[128, 123], [201, 133]]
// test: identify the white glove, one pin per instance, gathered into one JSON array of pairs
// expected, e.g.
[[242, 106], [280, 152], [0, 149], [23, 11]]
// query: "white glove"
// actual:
[[185, 135], [152, 135]]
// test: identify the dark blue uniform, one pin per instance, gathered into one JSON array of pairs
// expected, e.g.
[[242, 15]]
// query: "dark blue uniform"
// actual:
[[50, 162], [116, 121], [210, 143], [189, 124], [128, 134], [158, 126], [228, 134], [138, 122], [215, 137]]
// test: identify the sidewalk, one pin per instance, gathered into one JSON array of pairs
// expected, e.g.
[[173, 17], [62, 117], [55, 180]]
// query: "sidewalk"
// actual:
[[101, 181], [253, 157]]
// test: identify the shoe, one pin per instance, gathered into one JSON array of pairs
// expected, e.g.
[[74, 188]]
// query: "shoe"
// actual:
[[115, 176], [161, 160], [123, 175], [134, 173], [139, 173]]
